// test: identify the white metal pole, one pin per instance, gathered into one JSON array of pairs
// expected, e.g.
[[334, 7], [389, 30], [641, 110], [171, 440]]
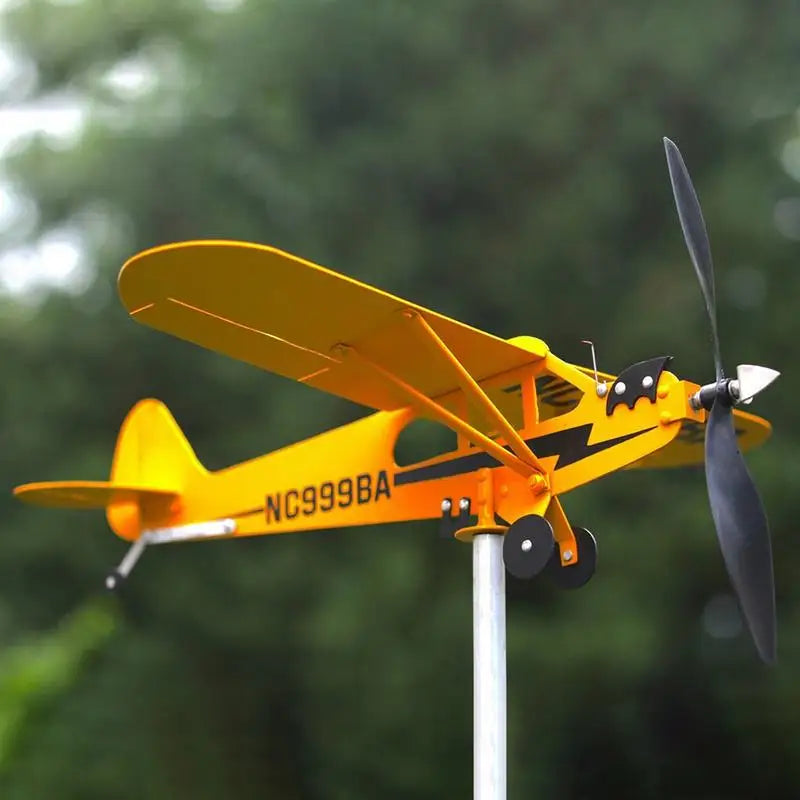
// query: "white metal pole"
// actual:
[[489, 652]]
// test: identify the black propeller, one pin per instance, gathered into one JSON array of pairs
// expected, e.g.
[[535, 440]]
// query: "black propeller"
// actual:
[[735, 505]]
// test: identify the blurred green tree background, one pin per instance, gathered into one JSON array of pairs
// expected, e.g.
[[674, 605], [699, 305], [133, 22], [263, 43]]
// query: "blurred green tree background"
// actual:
[[500, 162]]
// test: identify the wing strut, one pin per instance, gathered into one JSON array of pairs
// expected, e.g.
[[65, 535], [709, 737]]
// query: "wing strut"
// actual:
[[444, 416], [472, 389]]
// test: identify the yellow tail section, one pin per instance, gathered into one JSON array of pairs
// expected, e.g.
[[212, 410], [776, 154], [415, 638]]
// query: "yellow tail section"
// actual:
[[153, 462], [151, 452]]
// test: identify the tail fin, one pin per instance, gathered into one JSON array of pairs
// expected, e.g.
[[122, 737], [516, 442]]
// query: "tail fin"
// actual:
[[152, 464], [152, 450]]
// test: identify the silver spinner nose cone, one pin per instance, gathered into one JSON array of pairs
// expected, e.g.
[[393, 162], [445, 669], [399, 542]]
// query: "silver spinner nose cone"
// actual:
[[751, 379]]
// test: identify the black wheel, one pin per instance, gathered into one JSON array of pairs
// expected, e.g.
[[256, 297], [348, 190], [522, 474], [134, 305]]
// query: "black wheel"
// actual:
[[528, 546], [576, 575]]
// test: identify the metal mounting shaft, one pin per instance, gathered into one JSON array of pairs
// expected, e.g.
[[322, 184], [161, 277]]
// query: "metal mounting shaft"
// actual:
[[489, 671]]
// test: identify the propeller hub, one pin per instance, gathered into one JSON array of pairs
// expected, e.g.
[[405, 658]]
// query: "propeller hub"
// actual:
[[749, 381], [709, 394]]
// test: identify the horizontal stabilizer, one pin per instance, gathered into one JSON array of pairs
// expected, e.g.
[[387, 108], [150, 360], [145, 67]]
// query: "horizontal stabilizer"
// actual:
[[89, 494]]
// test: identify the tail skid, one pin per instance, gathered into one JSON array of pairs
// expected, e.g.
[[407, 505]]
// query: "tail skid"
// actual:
[[218, 529]]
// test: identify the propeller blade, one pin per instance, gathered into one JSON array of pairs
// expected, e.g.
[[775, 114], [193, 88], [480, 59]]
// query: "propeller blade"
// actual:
[[741, 529], [752, 379], [694, 233]]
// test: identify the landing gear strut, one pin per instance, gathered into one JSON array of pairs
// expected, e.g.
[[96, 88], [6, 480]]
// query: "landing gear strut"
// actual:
[[573, 576]]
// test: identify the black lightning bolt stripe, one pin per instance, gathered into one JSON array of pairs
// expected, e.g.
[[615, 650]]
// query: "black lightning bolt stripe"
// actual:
[[247, 513], [570, 445]]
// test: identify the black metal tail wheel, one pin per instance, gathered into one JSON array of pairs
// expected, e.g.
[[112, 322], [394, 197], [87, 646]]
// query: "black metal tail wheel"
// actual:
[[573, 576], [528, 546]]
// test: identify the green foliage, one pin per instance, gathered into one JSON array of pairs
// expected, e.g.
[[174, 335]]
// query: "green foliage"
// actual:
[[35, 673], [500, 162]]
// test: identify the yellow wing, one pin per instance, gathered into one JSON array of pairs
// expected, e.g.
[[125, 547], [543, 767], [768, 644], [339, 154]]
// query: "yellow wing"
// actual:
[[688, 447], [286, 315]]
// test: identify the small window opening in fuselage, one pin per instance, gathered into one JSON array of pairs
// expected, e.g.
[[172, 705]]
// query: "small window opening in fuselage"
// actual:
[[555, 396]]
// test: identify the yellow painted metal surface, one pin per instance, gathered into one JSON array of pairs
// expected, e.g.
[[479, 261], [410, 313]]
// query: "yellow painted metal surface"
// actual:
[[88, 494], [152, 466], [688, 448], [286, 315]]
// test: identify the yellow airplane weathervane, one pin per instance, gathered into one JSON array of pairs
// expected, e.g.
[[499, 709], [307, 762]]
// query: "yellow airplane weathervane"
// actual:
[[528, 426]]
